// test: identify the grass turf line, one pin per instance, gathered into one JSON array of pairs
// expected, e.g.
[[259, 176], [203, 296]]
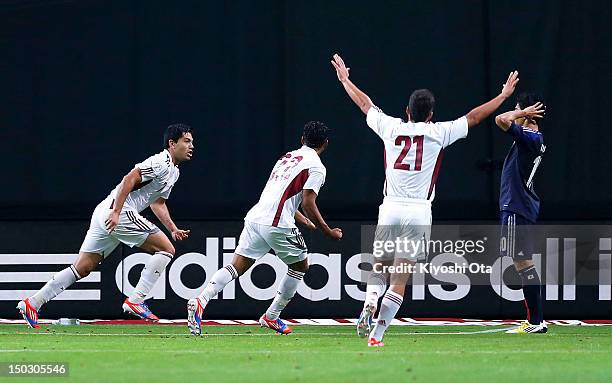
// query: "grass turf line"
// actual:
[[312, 354]]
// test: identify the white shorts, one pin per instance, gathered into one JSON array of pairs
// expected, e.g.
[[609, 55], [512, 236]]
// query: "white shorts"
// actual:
[[406, 220], [132, 230], [256, 240]]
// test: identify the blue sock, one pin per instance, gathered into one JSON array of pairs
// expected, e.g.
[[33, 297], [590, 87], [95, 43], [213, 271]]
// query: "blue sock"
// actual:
[[532, 290]]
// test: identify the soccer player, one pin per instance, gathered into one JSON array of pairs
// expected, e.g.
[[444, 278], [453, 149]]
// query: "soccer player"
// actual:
[[117, 220], [296, 179], [518, 203], [413, 154]]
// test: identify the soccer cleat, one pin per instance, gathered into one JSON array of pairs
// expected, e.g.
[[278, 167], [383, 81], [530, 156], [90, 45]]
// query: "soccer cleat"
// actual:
[[194, 316], [364, 324], [277, 325], [528, 328], [141, 310], [375, 343], [28, 312]]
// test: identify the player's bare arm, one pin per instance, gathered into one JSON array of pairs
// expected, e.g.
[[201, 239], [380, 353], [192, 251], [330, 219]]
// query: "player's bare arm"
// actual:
[[303, 220], [478, 114], [504, 120], [311, 210], [359, 98], [126, 186], [160, 209]]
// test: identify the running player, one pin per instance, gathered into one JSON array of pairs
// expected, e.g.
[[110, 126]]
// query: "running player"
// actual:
[[117, 220], [413, 154], [518, 203], [296, 179]]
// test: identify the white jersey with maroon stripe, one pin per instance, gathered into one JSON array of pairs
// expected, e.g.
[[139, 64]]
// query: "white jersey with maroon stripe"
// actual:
[[295, 171], [159, 174], [413, 152]]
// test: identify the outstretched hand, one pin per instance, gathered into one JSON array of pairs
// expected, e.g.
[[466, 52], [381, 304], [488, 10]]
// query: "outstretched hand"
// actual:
[[179, 235], [537, 110], [510, 84], [341, 70]]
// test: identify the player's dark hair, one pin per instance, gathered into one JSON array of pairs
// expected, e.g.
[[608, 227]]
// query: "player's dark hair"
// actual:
[[526, 99], [174, 132], [421, 103], [315, 134]]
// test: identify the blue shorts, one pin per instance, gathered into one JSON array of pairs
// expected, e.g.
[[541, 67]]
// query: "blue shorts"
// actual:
[[516, 239]]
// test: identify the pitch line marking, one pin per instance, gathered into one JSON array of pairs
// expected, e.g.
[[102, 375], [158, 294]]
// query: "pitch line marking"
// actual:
[[337, 334], [207, 351]]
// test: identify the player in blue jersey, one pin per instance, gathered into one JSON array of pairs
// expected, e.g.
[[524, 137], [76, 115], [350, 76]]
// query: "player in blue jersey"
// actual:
[[518, 203]]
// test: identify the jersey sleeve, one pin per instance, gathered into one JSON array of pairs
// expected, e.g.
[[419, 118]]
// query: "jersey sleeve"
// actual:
[[380, 123], [450, 131], [166, 193], [528, 138], [316, 179], [150, 168]]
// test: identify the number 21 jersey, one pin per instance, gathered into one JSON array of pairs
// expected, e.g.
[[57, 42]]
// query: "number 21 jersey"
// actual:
[[413, 152]]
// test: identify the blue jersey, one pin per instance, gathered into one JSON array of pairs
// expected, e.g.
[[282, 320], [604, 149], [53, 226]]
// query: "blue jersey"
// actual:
[[516, 193]]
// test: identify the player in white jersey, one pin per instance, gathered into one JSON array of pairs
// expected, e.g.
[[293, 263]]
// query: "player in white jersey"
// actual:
[[295, 180], [413, 154], [117, 220]]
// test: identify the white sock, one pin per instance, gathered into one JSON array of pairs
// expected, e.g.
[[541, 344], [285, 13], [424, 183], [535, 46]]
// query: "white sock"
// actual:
[[150, 274], [377, 284], [218, 281], [286, 291], [389, 306], [60, 282]]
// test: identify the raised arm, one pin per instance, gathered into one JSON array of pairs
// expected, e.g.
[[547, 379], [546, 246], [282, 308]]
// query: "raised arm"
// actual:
[[476, 115], [126, 186], [160, 209], [359, 98], [504, 120], [312, 212]]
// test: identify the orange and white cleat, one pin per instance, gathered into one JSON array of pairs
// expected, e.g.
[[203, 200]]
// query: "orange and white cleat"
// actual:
[[28, 312], [277, 325], [141, 310], [375, 343]]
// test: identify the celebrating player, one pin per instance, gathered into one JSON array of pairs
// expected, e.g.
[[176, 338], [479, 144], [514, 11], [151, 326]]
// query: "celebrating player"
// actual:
[[117, 219], [413, 154], [518, 203], [296, 179]]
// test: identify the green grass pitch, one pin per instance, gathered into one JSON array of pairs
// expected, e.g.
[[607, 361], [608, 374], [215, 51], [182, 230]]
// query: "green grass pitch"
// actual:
[[116, 353]]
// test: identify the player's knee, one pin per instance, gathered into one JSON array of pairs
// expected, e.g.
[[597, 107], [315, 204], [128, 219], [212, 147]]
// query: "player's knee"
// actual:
[[398, 289], [241, 263], [301, 266], [170, 249], [166, 247], [240, 267], [86, 263], [84, 268]]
